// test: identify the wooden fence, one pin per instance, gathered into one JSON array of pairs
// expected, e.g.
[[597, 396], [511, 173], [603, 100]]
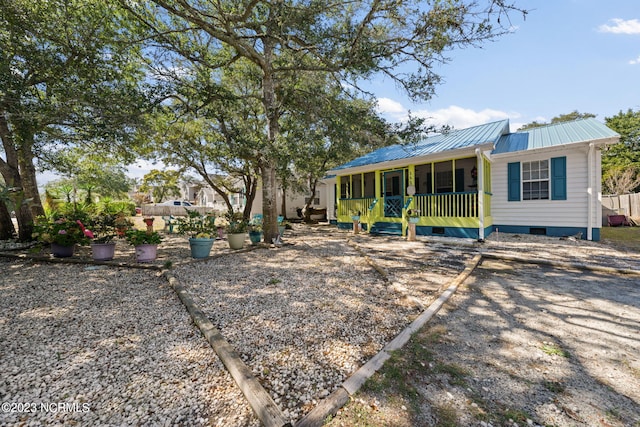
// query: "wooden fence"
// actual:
[[625, 204]]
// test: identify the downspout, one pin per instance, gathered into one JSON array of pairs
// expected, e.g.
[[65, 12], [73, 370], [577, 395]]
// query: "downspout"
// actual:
[[590, 192], [480, 195]]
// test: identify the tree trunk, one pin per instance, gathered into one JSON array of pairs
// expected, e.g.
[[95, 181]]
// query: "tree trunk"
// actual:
[[221, 192], [269, 211], [28, 177], [269, 162], [307, 212], [7, 230], [283, 204], [251, 188], [25, 223], [11, 172]]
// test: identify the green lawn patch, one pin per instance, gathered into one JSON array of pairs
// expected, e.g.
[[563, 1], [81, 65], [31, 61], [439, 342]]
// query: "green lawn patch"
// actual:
[[621, 237]]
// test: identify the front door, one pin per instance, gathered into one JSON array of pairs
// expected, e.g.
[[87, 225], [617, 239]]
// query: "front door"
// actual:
[[393, 189]]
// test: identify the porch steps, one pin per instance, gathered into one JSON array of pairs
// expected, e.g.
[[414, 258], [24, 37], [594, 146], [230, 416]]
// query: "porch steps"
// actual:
[[387, 228]]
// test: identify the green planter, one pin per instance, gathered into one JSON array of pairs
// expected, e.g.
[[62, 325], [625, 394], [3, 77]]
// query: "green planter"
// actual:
[[200, 248], [255, 237]]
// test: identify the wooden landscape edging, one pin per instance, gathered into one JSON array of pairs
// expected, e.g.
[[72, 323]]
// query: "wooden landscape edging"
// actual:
[[71, 260], [258, 398], [332, 403]]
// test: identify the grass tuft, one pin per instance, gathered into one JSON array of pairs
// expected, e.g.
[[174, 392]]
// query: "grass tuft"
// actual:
[[446, 416], [554, 350]]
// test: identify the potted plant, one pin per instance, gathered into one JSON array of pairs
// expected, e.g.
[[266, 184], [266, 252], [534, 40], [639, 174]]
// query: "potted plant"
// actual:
[[413, 216], [145, 244], [255, 231], [104, 230], [236, 231], [283, 225], [221, 223], [62, 233], [122, 224], [201, 230]]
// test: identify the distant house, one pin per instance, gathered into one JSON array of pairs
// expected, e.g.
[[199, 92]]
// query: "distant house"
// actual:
[[201, 194], [472, 182]]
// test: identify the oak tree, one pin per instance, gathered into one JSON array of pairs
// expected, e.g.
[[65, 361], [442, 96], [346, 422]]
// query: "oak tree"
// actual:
[[349, 40]]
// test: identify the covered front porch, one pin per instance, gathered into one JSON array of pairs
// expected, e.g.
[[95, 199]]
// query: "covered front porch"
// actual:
[[449, 197]]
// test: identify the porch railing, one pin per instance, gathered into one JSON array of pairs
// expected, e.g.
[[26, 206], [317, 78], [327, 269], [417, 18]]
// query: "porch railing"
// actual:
[[458, 205], [443, 205], [349, 207]]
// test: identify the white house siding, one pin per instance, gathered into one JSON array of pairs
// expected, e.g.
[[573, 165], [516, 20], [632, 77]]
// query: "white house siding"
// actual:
[[294, 200], [544, 213]]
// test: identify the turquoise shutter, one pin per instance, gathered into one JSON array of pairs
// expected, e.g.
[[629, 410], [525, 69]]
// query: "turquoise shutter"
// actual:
[[559, 178], [514, 181]]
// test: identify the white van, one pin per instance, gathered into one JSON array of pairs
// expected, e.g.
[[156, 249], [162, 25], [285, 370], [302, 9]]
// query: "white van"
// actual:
[[175, 203]]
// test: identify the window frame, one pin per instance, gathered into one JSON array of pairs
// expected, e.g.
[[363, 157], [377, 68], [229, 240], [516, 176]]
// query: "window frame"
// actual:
[[539, 179]]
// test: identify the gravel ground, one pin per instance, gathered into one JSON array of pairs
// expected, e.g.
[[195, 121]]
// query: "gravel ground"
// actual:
[[117, 347], [113, 346], [305, 316]]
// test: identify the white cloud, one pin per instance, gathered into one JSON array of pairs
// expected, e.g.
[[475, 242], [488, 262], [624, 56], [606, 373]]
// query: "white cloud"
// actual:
[[456, 116], [635, 61], [461, 118], [392, 108], [621, 26]]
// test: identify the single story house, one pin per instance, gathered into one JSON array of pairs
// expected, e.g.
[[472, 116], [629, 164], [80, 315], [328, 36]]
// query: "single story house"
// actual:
[[200, 193], [472, 182]]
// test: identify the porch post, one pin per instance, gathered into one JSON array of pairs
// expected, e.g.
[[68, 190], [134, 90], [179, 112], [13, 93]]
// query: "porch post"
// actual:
[[373, 217], [480, 167], [411, 181], [338, 193]]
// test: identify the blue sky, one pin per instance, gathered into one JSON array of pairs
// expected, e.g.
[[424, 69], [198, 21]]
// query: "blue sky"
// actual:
[[566, 55]]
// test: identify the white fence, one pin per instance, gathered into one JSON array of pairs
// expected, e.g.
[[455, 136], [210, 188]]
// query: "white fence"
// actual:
[[160, 210], [625, 204]]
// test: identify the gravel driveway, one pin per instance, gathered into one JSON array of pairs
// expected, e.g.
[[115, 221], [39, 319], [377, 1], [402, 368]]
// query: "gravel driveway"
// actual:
[[113, 346], [555, 347]]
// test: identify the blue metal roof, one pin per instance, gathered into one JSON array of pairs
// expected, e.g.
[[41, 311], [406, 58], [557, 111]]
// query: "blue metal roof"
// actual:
[[463, 138], [557, 134]]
